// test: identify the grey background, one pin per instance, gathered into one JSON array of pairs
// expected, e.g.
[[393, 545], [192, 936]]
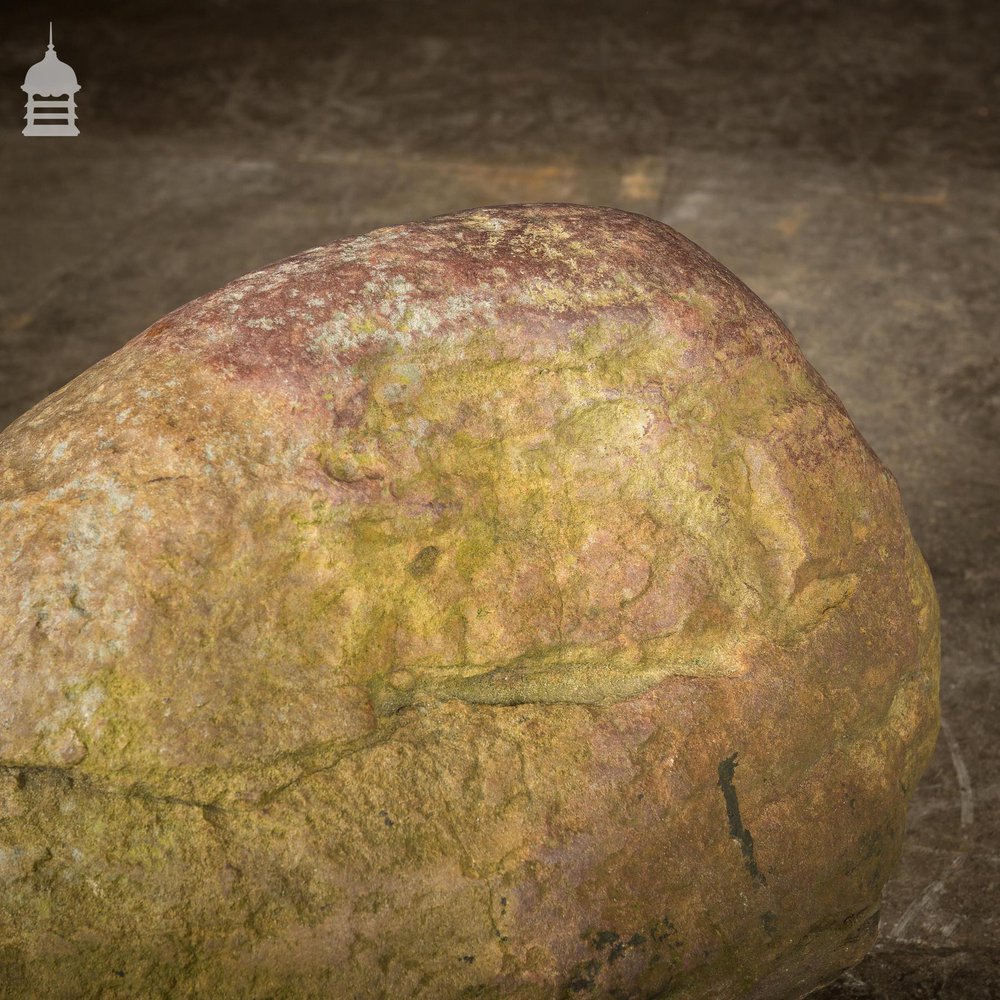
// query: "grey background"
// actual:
[[843, 159]]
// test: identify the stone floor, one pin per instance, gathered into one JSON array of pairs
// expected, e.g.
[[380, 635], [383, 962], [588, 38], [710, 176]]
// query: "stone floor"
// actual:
[[843, 159]]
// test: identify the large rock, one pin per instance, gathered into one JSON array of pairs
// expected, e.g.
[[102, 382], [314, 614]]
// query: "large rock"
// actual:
[[498, 606]]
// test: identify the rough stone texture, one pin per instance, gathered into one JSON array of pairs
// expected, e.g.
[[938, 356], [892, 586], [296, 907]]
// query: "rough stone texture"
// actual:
[[499, 606]]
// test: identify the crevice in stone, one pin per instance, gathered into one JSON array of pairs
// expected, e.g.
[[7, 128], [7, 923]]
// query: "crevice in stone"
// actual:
[[737, 830]]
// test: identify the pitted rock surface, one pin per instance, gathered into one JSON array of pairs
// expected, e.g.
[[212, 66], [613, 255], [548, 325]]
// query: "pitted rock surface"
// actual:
[[495, 606]]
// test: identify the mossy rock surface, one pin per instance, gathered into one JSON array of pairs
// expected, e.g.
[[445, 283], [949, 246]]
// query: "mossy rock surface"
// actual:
[[498, 606]]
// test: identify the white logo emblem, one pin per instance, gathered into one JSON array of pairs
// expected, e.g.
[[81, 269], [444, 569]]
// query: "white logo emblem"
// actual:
[[50, 86]]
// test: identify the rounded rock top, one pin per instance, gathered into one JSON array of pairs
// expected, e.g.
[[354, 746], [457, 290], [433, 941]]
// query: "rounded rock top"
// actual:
[[543, 452]]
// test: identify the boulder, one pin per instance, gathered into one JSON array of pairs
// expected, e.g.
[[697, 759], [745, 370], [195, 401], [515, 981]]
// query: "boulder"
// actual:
[[498, 606]]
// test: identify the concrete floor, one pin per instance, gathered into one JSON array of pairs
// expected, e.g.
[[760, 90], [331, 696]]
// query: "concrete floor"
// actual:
[[845, 162]]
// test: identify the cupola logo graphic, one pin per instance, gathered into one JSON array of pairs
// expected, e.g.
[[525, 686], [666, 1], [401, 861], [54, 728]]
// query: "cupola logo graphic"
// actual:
[[50, 86]]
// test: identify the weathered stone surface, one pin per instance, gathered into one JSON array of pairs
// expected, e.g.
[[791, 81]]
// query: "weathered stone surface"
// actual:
[[498, 606]]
